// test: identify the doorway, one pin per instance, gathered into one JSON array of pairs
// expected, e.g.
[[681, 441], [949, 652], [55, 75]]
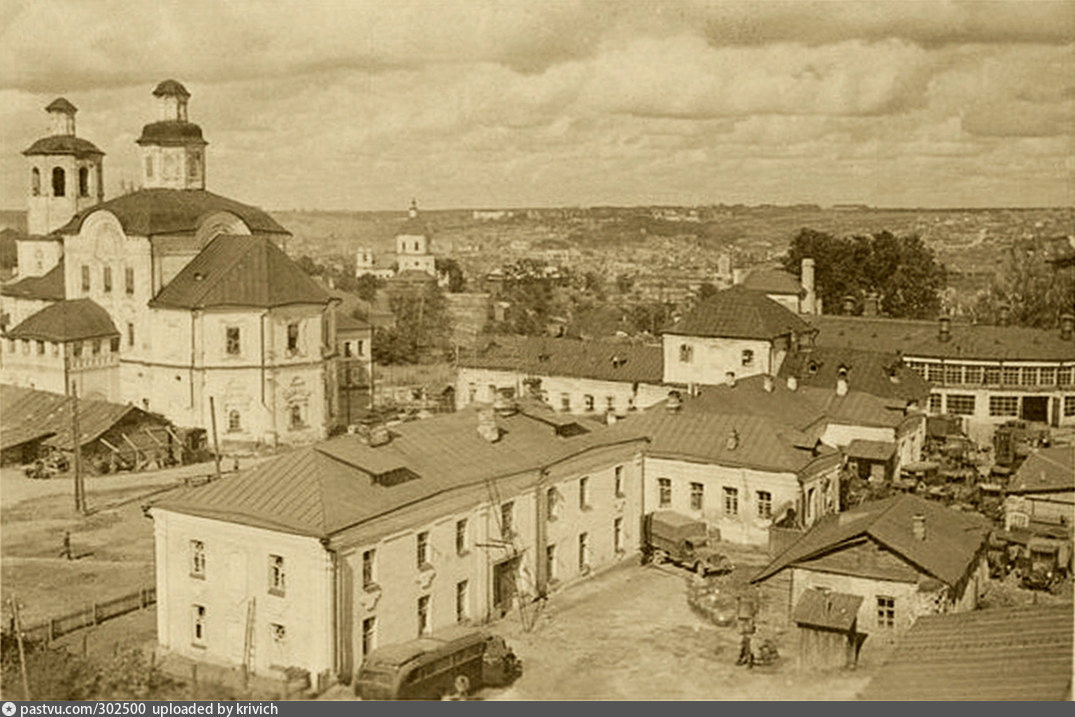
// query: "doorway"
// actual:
[[504, 586], [1036, 408]]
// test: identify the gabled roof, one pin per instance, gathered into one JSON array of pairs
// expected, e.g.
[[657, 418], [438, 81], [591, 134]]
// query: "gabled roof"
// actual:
[[827, 609], [921, 339], [346, 322], [148, 212], [1046, 469], [742, 314], [64, 144], [322, 490], [953, 538], [240, 271], [599, 360], [1018, 653], [47, 287], [68, 320], [868, 371], [773, 281], [870, 450]]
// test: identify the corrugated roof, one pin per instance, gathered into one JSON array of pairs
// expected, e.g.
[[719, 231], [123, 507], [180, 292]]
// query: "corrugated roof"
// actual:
[[869, 371], [32, 413], [64, 144], [920, 339], [240, 271], [826, 608], [47, 287], [325, 489], [68, 320], [1019, 653], [773, 281], [173, 211], [739, 313], [953, 538], [1046, 469], [600, 360]]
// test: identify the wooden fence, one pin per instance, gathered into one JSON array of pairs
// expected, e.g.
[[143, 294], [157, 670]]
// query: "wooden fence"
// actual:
[[95, 614]]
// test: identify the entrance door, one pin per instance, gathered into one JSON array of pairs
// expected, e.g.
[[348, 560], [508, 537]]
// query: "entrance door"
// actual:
[[1036, 408], [504, 588]]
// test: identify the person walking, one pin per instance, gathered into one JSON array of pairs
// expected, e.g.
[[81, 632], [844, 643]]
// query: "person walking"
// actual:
[[66, 552]]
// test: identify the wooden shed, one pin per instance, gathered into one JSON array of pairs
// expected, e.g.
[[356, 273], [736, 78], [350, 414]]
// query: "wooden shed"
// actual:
[[828, 633]]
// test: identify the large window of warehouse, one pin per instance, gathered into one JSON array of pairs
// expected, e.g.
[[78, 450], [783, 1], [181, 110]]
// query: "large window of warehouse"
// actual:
[[960, 404]]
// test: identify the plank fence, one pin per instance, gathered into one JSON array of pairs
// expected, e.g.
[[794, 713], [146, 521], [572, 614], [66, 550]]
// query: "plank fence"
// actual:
[[95, 614]]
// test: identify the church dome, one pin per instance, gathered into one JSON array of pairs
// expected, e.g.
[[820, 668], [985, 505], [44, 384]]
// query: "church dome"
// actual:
[[171, 132], [171, 88]]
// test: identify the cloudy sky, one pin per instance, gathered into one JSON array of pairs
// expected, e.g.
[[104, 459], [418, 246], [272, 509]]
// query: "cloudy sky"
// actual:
[[362, 104]]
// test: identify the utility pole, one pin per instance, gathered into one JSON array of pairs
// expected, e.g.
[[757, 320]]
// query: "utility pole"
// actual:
[[17, 620], [76, 439], [216, 446]]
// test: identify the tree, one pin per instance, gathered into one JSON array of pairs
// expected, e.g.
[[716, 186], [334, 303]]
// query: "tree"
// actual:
[[308, 265], [422, 323], [1028, 290], [456, 281], [367, 286], [706, 290]]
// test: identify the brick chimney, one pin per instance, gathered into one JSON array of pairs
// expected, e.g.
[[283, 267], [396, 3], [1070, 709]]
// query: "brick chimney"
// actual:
[[1067, 326], [918, 526], [944, 328], [793, 383], [842, 386], [675, 402], [487, 427], [729, 378], [767, 383]]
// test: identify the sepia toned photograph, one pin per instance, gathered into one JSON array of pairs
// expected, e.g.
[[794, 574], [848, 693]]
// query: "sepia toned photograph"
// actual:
[[535, 350]]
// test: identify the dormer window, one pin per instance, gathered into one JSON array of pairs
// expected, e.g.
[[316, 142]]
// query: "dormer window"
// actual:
[[748, 357], [686, 353]]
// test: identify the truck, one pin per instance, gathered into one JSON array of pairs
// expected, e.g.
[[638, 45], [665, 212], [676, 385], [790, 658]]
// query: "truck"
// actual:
[[669, 536]]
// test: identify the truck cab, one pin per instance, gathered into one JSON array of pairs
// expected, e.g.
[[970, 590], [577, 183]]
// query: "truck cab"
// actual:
[[677, 538]]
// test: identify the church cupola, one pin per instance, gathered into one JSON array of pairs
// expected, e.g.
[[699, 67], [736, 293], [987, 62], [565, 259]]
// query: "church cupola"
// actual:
[[65, 172], [173, 150]]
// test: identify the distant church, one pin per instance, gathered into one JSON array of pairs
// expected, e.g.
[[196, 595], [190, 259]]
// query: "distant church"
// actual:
[[166, 296], [413, 261]]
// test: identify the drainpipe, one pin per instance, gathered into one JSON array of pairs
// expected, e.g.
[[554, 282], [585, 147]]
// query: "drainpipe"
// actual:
[[334, 610], [541, 533]]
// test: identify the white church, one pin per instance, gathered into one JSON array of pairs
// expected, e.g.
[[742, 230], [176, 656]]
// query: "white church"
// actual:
[[166, 296]]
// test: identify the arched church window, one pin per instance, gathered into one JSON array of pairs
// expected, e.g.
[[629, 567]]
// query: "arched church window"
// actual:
[[35, 181], [149, 167], [59, 181], [83, 181], [194, 162], [171, 166]]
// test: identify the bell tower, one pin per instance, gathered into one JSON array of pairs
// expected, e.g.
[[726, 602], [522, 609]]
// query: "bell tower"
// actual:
[[412, 244], [173, 150], [65, 173]]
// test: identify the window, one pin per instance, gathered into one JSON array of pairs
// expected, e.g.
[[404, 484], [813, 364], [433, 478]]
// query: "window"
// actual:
[[461, 537], [59, 182], [747, 357], [618, 481], [1003, 405], [731, 501], [550, 562], [584, 493], [292, 338], [507, 520], [130, 334], [617, 535], [584, 551], [197, 626], [368, 580], [40, 348], [295, 412], [193, 165], [197, 559], [565, 401], [26, 346], [1048, 376], [83, 182], [588, 403], [934, 373], [106, 279], [765, 504], [886, 611], [231, 340], [664, 490], [76, 348], [276, 575], [992, 375], [35, 182], [918, 367], [953, 374], [96, 347], [697, 496], [961, 405], [113, 344], [462, 601], [550, 504], [1063, 375], [149, 168], [128, 280], [1069, 406], [1030, 376], [686, 353], [422, 549], [278, 632], [361, 344], [347, 349], [935, 403], [369, 635], [85, 278], [610, 403], [972, 375], [1010, 375], [423, 615]]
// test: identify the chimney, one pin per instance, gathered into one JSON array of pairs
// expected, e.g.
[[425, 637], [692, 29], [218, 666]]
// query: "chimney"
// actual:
[[737, 276], [870, 304], [1067, 326], [733, 440], [849, 305], [841, 386], [675, 401], [729, 378], [810, 298], [918, 526], [610, 418], [793, 383], [767, 383], [487, 427], [944, 328], [503, 405]]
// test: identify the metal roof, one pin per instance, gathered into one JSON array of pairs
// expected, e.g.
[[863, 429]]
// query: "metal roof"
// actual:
[[170, 88], [599, 360], [827, 609], [47, 287], [64, 144], [870, 450], [740, 313], [867, 370], [1046, 469], [171, 133], [240, 271], [1020, 653], [952, 539], [61, 104], [68, 320], [773, 281]]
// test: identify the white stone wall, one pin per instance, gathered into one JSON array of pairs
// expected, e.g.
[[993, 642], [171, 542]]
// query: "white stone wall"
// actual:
[[481, 381], [36, 257], [713, 358], [1052, 507], [45, 212]]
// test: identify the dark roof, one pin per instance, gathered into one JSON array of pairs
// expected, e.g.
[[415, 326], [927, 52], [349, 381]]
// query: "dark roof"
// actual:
[[773, 281], [870, 450], [325, 489], [171, 132], [61, 104], [346, 322], [1019, 653], [1046, 469], [64, 144], [953, 538], [601, 360], [29, 414], [826, 608], [921, 339], [245, 270], [170, 88], [868, 371], [739, 313], [47, 287], [68, 320], [173, 211]]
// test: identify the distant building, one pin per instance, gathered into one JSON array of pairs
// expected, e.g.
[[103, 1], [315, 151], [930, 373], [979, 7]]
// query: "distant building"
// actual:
[[413, 253], [785, 288], [1041, 494]]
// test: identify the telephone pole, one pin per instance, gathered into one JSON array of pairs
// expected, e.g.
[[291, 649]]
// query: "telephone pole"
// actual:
[[216, 446], [76, 439]]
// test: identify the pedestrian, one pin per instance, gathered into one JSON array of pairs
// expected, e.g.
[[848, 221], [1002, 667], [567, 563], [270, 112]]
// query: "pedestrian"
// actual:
[[66, 552]]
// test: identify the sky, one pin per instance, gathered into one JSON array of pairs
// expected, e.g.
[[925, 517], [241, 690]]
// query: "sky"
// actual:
[[362, 105]]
